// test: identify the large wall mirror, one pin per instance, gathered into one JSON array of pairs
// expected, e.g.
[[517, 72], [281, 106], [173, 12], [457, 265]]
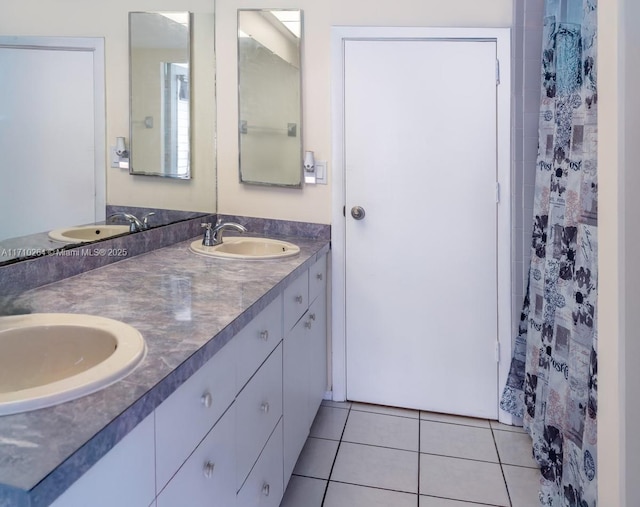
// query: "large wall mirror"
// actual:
[[160, 94], [269, 97]]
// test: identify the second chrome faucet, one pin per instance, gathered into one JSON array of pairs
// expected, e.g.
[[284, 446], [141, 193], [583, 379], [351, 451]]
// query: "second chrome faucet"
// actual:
[[135, 224], [213, 234]]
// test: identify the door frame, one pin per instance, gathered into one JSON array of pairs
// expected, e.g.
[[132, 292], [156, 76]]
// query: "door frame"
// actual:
[[502, 37]]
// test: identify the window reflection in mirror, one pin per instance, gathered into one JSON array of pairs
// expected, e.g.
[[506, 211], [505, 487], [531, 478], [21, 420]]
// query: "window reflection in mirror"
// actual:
[[269, 97], [160, 88]]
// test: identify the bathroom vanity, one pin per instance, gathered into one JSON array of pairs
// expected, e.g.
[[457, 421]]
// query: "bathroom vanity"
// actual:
[[218, 411]]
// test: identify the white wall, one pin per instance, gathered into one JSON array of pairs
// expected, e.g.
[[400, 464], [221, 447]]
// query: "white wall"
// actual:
[[313, 203], [79, 18], [619, 249]]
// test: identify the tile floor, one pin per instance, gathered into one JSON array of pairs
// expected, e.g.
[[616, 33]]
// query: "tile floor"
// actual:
[[360, 455]]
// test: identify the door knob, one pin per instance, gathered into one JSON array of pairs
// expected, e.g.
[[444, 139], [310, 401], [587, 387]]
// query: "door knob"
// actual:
[[357, 212]]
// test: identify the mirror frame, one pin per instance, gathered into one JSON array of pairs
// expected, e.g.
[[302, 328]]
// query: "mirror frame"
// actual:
[[132, 148], [290, 127]]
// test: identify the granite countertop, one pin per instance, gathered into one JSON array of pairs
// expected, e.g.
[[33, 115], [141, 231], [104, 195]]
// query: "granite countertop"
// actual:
[[185, 305]]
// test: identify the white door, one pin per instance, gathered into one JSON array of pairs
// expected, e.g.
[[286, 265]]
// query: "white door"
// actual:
[[47, 140], [420, 267]]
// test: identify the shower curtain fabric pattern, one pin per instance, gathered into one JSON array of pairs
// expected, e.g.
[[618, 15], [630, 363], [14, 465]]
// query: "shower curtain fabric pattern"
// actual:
[[552, 383]]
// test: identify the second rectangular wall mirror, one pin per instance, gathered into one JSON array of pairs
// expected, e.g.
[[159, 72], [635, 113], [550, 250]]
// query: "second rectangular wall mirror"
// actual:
[[160, 94], [269, 97]]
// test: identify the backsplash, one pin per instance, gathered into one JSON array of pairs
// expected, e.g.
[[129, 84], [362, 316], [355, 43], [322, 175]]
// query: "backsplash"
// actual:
[[28, 274], [159, 217], [270, 227]]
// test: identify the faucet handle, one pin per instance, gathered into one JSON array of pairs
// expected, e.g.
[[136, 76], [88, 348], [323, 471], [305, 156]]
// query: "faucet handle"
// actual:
[[207, 240], [145, 218]]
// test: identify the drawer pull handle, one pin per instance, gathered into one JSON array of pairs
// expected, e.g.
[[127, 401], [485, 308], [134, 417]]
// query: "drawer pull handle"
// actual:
[[208, 469], [299, 298], [312, 316], [265, 489], [264, 335], [319, 276], [206, 399], [307, 324], [265, 407]]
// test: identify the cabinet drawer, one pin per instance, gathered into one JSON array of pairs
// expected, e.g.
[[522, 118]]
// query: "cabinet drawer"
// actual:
[[317, 278], [186, 416], [296, 301], [207, 478], [265, 485], [257, 339], [258, 409]]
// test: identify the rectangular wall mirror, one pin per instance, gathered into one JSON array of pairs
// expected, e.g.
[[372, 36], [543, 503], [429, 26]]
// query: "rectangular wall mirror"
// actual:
[[160, 94], [269, 97]]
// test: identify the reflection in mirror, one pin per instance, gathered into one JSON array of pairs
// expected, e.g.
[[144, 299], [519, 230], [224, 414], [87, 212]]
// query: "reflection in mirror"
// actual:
[[160, 88], [269, 97]]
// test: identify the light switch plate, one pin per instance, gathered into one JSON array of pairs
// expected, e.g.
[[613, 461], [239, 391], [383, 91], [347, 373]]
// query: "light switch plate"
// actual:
[[115, 159], [321, 172]]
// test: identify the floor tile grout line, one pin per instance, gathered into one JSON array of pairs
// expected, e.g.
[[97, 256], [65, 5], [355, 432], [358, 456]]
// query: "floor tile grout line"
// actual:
[[379, 446], [310, 477], [460, 422], [377, 487], [419, 460], [527, 467], [470, 502], [326, 488], [324, 438], [417, 417], [504, 478], [386, 414], [510, 431]]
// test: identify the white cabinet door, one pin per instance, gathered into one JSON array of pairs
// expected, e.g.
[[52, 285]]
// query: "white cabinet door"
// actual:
[[304, 369], [207, 478], [124, 476], [295, 381], [421, 264], [317, 355]]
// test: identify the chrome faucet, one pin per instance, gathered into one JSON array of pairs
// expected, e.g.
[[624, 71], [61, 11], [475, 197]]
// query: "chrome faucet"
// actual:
[[213, 235], [135, 224]]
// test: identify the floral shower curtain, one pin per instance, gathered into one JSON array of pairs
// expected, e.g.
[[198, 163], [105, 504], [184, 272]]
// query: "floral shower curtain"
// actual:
[[552, 384]]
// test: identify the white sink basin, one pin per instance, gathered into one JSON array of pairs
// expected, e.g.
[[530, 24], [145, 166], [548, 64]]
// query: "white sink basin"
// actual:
[[247, 248], [84, 233], [50, 358]]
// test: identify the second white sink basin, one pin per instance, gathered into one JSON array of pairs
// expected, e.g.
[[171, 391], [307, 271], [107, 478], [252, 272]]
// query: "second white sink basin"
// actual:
[[247, 248], [84, 233], [49, 358]]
